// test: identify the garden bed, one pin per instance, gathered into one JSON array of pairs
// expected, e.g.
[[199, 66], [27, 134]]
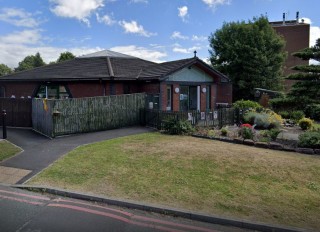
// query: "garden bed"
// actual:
[[287, 140]]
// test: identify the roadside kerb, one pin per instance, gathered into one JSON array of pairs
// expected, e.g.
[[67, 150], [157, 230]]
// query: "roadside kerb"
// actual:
[[162, 210]]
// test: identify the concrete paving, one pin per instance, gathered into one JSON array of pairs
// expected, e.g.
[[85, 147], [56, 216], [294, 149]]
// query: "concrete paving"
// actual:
[[40, 151]]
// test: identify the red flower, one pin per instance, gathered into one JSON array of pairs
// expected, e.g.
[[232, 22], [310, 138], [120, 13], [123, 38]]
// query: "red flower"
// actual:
[[246, 125]]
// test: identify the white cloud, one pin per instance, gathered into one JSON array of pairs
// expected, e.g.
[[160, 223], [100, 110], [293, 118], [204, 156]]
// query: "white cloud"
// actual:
[[22, 37], [178, 35], [199, 38], [134, 28], [79, 9], [106, 19], [139, 1], [16, 46], [179, 49], [18, 17], [215, 3], [183, 13], [314, 31], [141, 52]]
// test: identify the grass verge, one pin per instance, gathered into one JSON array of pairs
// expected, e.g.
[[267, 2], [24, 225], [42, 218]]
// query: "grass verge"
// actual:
[[196, 174], [7, 150]]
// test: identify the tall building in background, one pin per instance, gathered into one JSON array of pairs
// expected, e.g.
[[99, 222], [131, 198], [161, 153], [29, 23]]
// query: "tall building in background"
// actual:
[[297, 36]]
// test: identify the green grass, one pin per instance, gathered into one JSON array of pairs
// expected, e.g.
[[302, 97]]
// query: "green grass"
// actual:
[[7, 150], [196, 174]]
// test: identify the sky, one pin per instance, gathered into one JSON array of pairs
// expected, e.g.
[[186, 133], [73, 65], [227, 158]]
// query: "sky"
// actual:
[[156, 30]]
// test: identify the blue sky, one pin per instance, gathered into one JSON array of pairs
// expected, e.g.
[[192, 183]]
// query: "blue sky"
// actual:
[[157, 30]]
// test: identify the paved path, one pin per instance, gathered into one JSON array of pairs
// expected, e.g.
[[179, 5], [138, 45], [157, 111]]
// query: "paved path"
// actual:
[[40, 151]]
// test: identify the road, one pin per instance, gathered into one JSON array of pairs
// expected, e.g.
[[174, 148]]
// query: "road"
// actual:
[[26, 211]]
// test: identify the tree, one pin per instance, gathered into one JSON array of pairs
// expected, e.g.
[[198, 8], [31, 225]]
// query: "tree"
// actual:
[[251, 54], [65, 56], [30, 62], [307, 89], [4, 70]]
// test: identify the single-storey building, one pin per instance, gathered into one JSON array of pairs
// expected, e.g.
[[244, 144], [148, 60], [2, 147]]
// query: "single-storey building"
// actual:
[[187, 84]]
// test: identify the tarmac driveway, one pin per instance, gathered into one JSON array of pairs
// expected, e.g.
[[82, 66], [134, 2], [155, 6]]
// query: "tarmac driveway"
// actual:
[[40, 151]]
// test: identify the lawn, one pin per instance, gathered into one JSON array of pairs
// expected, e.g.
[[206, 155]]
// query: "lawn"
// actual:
[[196, 174], [7, 150]]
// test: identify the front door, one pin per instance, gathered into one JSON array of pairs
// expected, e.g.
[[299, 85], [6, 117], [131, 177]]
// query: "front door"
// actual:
[[193, 97], [189, 98]]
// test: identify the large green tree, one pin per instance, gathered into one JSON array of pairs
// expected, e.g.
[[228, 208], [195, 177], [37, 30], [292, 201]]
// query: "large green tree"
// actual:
[[4, 70], [251, 54], [307, 89], [30, 62], [65, 56]]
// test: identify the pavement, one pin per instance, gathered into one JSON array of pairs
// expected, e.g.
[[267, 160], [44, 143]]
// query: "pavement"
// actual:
[[26, 211], [40, 151]]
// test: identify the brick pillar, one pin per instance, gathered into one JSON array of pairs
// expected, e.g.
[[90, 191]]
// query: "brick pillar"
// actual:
[[175, 98], [203, 99]]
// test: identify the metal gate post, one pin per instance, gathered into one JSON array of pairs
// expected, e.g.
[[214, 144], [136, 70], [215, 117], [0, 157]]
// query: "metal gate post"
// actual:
[[4, 126]]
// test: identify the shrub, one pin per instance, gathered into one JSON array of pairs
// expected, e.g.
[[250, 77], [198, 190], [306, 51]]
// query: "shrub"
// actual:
[[283, 103], [177, 127], [246, 132], [313, 111], [246, 104], [309, 139], [224, 131], [249, 117], [267, 135], [265, 119], [284, 114], [261, 121], [296, 115], [273, 134], [275, 120], [211, 133], [305, 123]]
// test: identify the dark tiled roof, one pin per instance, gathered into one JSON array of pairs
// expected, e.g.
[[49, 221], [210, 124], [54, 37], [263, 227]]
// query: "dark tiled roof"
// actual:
[[163, 69], [112, 65]]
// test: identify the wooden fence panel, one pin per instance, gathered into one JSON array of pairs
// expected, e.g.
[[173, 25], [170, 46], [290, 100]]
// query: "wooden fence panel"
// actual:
[[80, 115], [42, 116], [18, 110]]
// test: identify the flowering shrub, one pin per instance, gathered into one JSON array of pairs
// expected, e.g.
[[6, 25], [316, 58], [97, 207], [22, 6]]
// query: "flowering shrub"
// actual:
[[305, 123], [266, 119], [246, 125]]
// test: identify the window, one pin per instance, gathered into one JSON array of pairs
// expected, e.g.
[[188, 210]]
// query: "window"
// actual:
[[169, 97], [2, 92], [53, 92]]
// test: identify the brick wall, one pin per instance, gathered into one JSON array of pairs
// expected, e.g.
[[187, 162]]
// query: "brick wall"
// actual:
[[20, 89], [224, 93], [297, 37], [203, 99], [86, 89], [152, 88]]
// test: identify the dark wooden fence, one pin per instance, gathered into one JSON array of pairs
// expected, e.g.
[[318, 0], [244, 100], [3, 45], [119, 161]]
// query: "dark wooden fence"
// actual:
[[18, 112], [78, 115], [215, 118]]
